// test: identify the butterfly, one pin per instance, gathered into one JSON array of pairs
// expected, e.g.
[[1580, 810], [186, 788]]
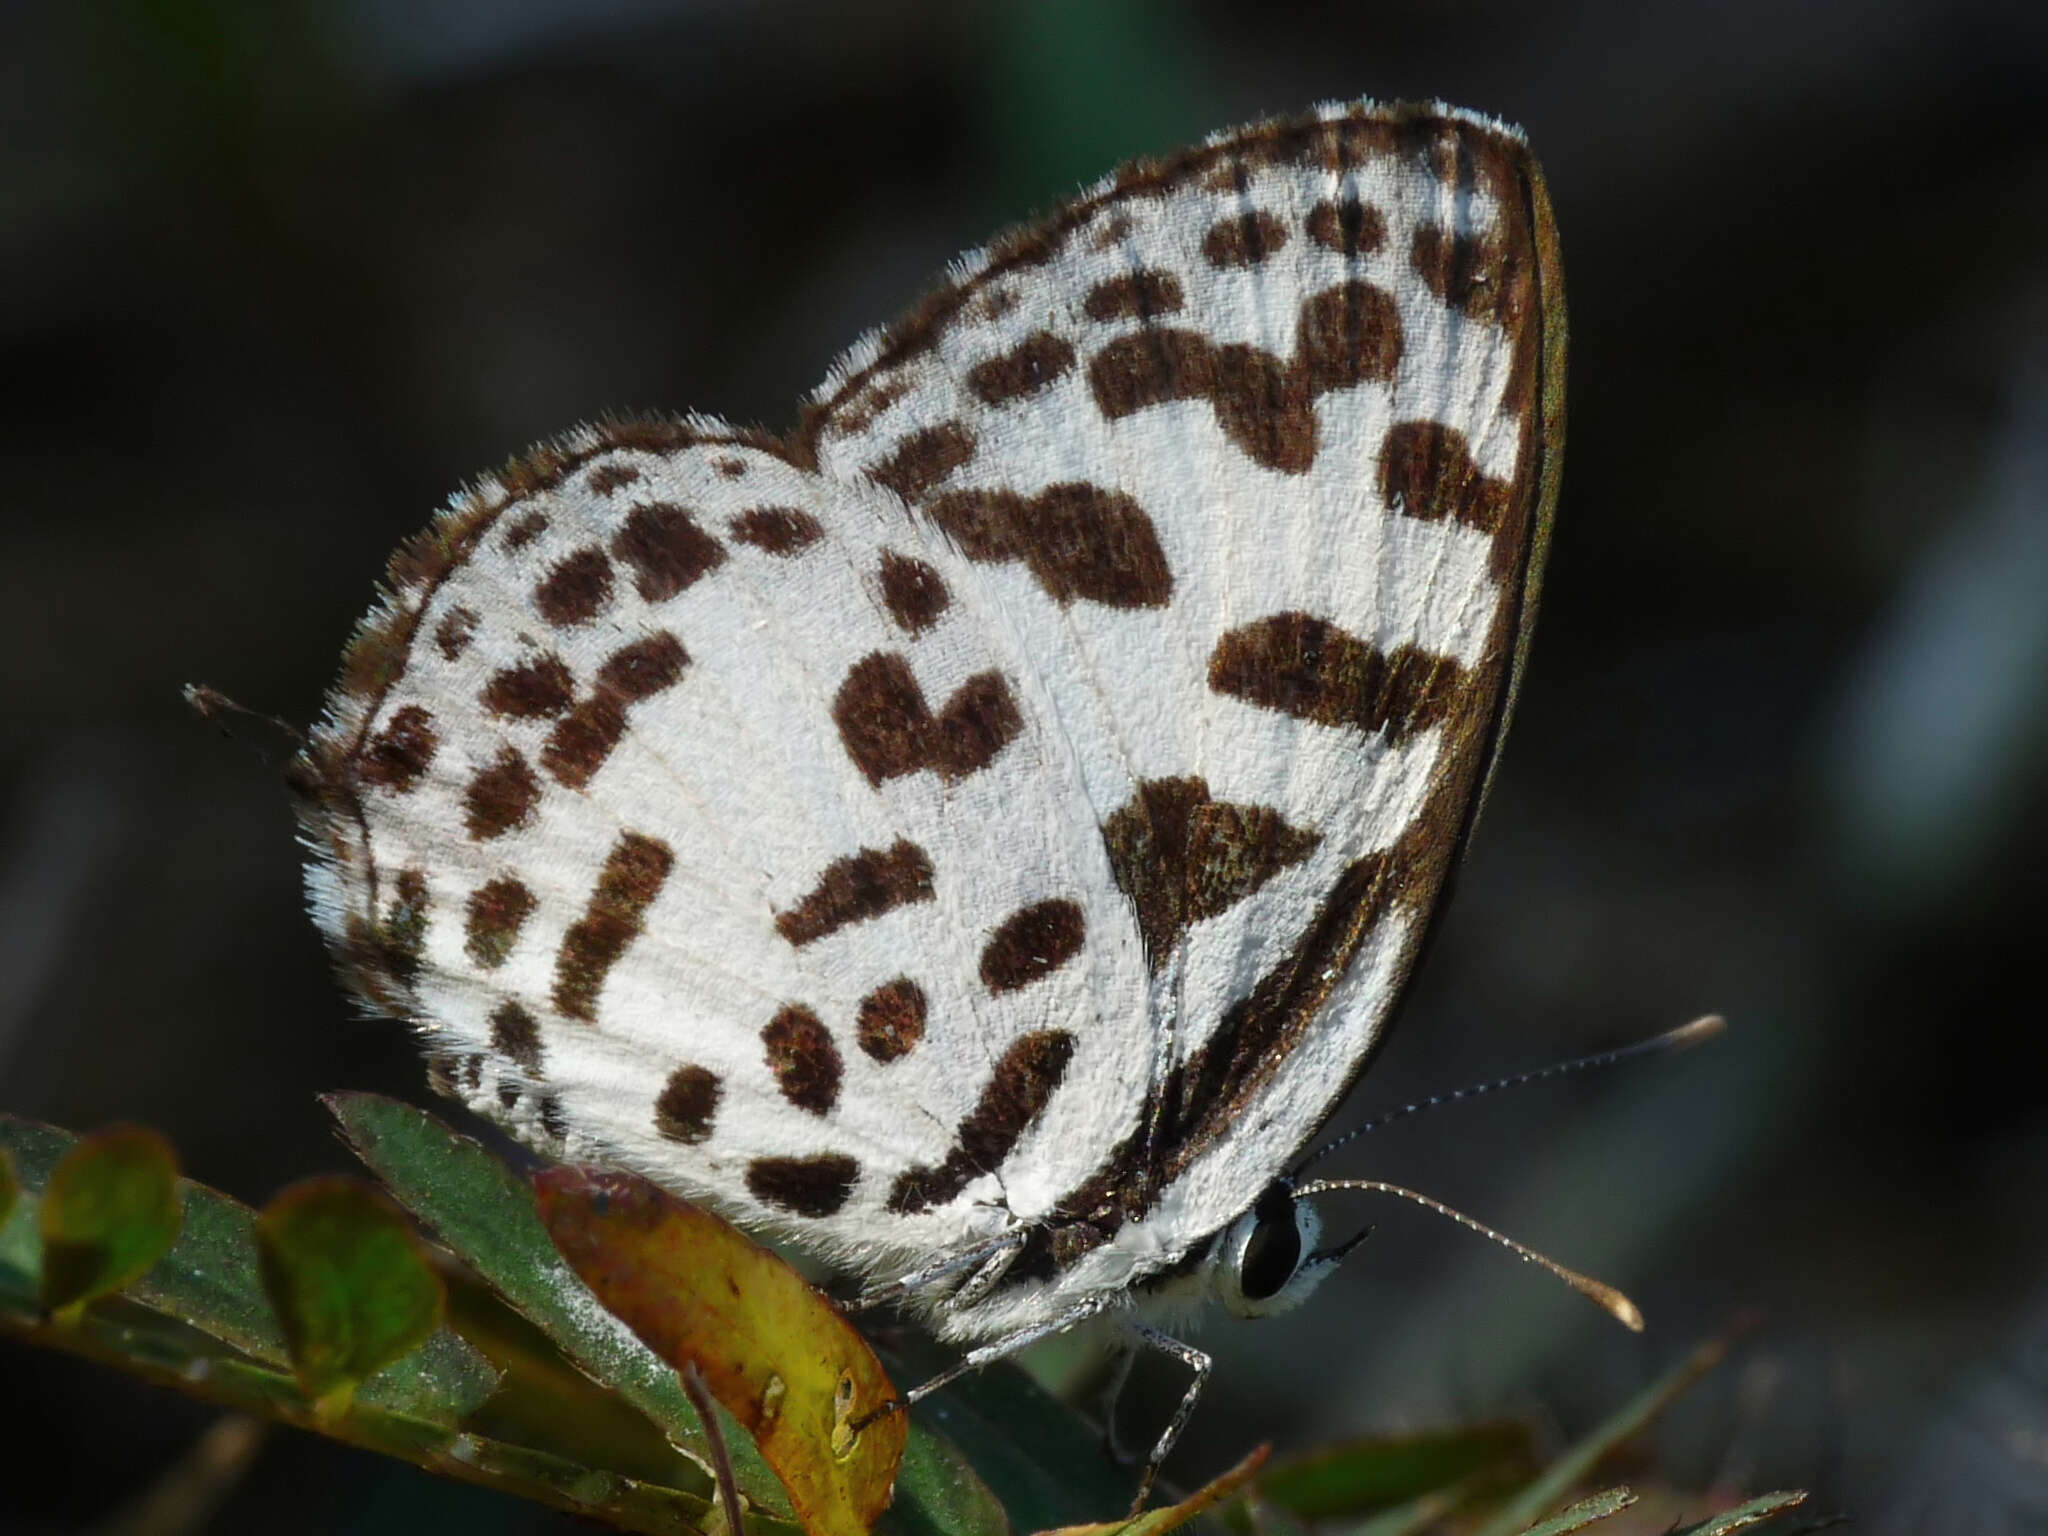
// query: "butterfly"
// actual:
[[979, 834]]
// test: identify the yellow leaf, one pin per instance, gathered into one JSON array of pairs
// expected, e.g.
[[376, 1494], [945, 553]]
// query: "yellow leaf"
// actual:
[[773, 1350]]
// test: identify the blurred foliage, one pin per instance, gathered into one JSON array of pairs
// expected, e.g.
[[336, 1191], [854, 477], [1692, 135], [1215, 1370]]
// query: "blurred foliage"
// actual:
[[350, 1284], [326, 1312], [109, 1212]]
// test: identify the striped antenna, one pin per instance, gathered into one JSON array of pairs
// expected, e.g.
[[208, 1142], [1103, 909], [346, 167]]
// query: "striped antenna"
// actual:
[[1697, 1032]]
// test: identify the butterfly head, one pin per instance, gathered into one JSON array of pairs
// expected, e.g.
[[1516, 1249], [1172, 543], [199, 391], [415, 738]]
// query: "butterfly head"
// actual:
[[1269, 1262]]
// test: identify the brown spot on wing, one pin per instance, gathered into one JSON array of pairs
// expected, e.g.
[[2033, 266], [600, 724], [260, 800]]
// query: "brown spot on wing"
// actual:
[[666, 549], [1079, 541], [1351, 228], [524, 529], [888, 729], [778, 531], [1025, 1078], [1151, 367], [860, 415], [633, 874], [687, 1105], [607, 478], [891, 1020], [576, 588], [397, 757], [805, 1186], [455, 631], [1031, 943], [1265, 407], [498, 909], [1135, 295], [1181, 856], [402, 936], [858, 887], [1115, 230], [913, 592], [515, 1035], [1314, 670], [923, 459], [1033, 364], [586, 737], [646, 667], [803, 1058], [1426, 471], [534, 690], [1243, 240], [501, 795], [1345, 336], [1468, 272]]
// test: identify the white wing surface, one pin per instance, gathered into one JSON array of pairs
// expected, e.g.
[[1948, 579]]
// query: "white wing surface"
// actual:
[[1015, 797]]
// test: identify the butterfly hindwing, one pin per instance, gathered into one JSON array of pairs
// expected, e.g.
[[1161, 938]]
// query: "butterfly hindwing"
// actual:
[[1018, 795]]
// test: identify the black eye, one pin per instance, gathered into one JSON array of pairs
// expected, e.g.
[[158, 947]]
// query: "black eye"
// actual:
[[1270, 1256]]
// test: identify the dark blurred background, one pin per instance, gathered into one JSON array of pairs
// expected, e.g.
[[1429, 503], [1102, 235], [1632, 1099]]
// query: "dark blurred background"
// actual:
[[276, 277]]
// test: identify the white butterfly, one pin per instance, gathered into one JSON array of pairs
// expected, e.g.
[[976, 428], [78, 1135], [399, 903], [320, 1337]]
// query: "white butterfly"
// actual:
[[980, 834]]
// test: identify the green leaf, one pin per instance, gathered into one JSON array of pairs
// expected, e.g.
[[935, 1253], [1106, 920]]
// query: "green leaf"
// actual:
[[10, 1187], [208, 1281], [772, 1350], [487, 1216], [157, 1349], [110, 1210], [1359, 1477], [1764, 1507], [1572, 1468], [938, 1491], [1584, 1513], [1043, 1462], [352, 1286]]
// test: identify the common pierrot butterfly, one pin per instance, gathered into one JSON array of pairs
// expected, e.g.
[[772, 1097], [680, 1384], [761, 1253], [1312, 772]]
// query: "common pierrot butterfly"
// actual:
[[979, 834]]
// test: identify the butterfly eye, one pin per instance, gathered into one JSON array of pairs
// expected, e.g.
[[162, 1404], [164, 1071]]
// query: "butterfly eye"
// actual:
[[1270, 1255], [1266, 1264]]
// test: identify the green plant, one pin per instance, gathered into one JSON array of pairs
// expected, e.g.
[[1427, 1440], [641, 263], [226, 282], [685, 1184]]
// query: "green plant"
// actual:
[[516, 1353]]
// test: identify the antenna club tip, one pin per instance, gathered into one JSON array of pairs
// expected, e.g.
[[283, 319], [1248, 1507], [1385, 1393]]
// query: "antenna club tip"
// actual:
[[1613, 1302], [1699, 1031]]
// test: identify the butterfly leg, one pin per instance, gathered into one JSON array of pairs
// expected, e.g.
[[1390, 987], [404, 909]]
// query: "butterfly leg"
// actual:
[[1124, 1355], [987, 1354], [1195, 1361], [984, 1279], [973, 1258]]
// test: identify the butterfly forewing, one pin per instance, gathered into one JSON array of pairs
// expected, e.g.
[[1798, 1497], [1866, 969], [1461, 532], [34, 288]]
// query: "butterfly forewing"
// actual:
[[1017, 796]]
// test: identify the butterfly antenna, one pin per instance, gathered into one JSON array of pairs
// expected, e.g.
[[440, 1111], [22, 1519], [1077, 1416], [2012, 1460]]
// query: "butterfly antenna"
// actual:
[[1617, 1306], [1698, 1031], [211, 705]]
